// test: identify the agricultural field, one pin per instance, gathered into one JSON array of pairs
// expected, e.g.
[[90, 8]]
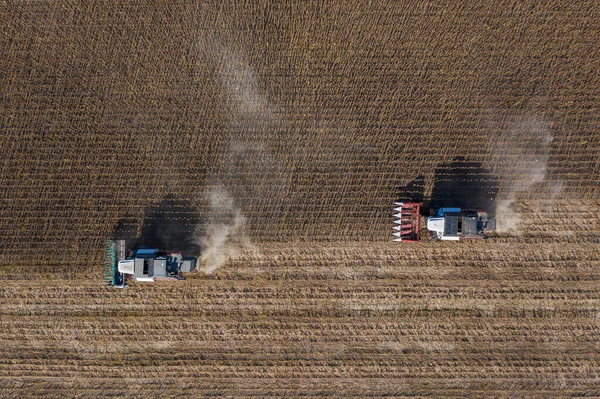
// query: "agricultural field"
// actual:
[[272, 138], [321, 319]]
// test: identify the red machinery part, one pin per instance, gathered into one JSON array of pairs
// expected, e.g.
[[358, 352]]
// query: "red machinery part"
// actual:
[[407, 221]]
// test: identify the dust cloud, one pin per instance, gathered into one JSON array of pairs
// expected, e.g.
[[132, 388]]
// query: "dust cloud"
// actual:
[[522, 150], [507, 215], [224, 236], [242, 154], [251, 112], [241, 84]]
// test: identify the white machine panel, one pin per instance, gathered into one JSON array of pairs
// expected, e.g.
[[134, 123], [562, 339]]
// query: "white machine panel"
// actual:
[[126, 266]]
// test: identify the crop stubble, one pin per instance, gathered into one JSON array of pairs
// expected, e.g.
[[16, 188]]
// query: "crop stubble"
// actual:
[[319, 319]]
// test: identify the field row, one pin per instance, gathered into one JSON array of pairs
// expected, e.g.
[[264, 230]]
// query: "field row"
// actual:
[[281, 385], [557, 221]]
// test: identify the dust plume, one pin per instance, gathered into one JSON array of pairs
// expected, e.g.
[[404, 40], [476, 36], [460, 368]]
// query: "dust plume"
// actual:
[[242, 86], [224, 236], [242, 154], [251, 111], [522, 150], [507, 215]]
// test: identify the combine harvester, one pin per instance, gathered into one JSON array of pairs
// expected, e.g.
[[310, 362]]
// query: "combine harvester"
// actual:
[[442, 224], [143, 264]]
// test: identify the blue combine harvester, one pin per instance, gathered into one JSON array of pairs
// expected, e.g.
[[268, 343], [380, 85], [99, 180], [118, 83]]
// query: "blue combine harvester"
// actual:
[[143, 264]]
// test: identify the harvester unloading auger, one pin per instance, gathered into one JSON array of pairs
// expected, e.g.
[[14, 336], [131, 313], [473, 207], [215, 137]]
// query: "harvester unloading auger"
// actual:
[[443, 223]]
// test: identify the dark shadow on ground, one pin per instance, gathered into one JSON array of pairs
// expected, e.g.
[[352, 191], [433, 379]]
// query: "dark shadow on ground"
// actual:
[[413, 191], [171, 224], [127, 229], [460, 183], [464, 184]]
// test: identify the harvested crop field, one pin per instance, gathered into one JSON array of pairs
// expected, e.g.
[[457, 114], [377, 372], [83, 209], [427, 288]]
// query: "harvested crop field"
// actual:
[[290, 128], [323, 320]]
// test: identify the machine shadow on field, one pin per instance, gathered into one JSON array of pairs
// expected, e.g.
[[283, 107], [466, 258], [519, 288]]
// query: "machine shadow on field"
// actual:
[[414, 191], [460, 183], [126, 229], [465, 184], [171, 224]]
